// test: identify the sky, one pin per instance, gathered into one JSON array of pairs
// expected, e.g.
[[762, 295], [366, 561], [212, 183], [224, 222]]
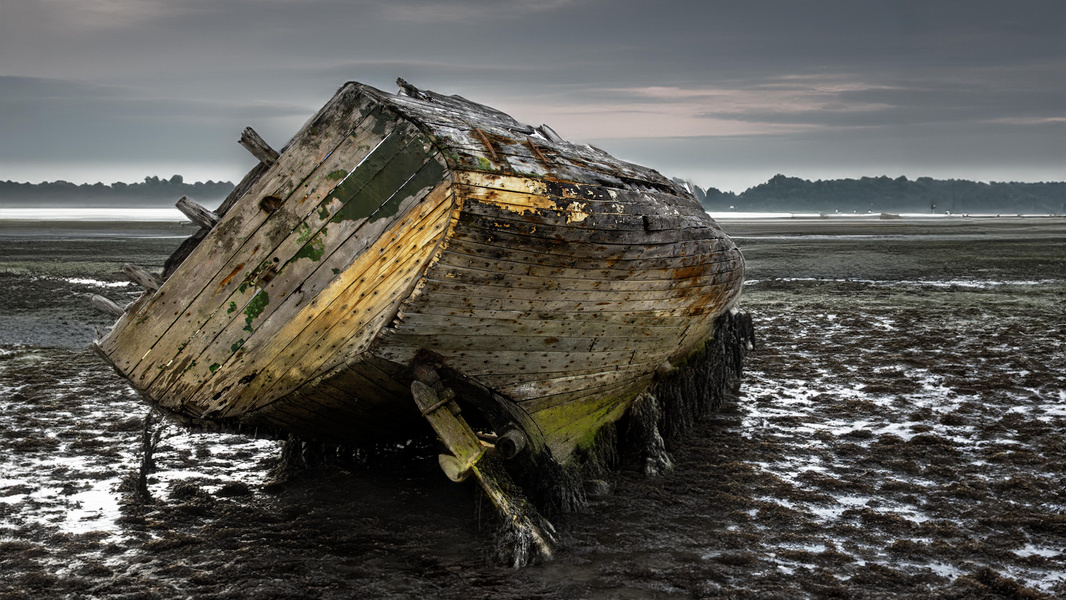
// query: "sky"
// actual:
[[725, 93]]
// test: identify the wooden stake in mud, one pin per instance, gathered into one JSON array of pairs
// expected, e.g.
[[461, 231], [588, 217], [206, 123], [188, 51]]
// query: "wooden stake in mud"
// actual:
[[526, 533]]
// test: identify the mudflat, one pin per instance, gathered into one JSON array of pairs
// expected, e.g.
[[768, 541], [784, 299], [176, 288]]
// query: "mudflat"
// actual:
[[900, 432]]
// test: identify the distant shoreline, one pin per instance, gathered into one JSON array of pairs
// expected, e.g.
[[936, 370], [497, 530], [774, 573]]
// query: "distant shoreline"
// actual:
[[173, 215]]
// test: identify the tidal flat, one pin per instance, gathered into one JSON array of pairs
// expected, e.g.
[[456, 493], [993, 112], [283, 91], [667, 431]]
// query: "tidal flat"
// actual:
[[900, 432]]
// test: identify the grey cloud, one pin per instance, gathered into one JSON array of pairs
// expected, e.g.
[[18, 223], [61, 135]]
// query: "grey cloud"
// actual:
[[61, 120], [186, 76]]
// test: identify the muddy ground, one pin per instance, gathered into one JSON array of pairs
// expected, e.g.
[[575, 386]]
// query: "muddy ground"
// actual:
[[899, 433]]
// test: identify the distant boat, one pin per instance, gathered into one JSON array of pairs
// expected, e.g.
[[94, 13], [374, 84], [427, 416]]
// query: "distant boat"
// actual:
[[407, 255]]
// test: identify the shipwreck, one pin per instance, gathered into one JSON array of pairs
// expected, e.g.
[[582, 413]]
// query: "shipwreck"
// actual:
[[419, 258]]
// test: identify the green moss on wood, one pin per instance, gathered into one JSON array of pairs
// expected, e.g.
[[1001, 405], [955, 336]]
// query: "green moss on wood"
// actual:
[[255, 308], [313, 249]]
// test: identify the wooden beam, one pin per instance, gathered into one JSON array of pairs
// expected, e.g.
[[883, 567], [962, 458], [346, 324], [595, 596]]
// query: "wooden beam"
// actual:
[[258, 147], [549, 133], [104, 305], [141, 277], [203, 217]]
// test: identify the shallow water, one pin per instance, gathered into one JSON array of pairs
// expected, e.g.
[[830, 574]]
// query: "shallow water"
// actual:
[[899, 432]]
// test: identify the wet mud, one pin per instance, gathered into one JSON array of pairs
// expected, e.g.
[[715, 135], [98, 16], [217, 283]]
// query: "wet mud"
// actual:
[[899, 433]]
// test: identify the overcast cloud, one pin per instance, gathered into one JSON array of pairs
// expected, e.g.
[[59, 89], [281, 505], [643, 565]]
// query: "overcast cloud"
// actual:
[[725, 93]]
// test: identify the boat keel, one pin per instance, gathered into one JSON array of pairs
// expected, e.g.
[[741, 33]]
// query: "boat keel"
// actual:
[[526, 535]]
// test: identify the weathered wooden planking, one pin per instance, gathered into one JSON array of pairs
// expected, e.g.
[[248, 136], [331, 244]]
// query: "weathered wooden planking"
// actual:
[[360, 380], [405, 271], [649, 309], [453, 128], [637, 204], [602, 395], [684, 278], [289, 305], [287, 323], [456, 133], [507, 241], [541, 228], [519, 377], [695, 287], [489, 256], [304, 262], [237, 290], [581, 431], [127, 345], [580, 383], [366, 291], [529, 327], [474, 363]]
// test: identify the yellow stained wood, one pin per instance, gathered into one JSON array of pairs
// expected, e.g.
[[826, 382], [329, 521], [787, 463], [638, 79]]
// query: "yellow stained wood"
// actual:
[[128, 345], [336, 311], [298, 282], [268, 252]]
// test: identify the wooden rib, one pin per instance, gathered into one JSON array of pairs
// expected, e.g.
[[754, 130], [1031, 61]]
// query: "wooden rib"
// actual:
[[486, 144]]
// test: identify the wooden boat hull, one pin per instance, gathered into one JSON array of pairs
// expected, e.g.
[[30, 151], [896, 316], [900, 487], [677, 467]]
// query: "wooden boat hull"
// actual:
[[553, 280]]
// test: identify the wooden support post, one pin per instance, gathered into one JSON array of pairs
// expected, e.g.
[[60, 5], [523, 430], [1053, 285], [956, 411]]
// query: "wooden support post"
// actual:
[[527, 533], [258, 147], [104, 305], [203, 217], [142, 277]]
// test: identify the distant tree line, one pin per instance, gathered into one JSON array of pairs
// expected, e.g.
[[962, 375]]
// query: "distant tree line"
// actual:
[[152, 192], [885, 194]]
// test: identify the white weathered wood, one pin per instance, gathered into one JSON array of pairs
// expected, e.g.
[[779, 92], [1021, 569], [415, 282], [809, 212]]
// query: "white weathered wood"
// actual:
[[550, 134], [203, 217], [106, 305], [258, 147], [141, 277]]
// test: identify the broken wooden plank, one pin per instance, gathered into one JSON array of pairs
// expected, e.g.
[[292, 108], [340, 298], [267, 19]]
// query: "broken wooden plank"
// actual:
[[196, 213], [141, 277], [258, 147], [106, 305]]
